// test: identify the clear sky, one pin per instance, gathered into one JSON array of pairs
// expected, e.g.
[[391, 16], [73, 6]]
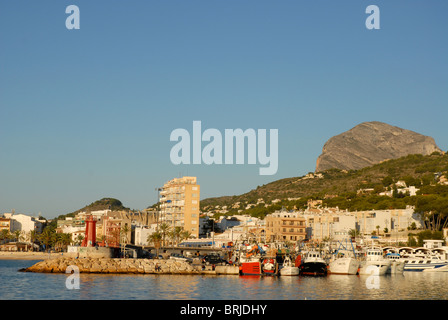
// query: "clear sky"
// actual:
[[87, 114]]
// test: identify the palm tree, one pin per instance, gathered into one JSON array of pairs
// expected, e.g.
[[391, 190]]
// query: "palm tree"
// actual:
[[47, 237], [124, 237], [101, 239], [79, 239], [164, 229], [18, 235], [32, 237], [155, 238], [185, 234], [124, 233], [65, 239], [5, 234], [175, 235]]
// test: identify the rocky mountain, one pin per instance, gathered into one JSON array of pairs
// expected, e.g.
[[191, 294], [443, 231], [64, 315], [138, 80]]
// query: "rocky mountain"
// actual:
[[370, 143]]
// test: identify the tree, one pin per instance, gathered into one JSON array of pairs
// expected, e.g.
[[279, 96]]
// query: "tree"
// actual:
[[164, 229], [79, 239], [175, 234], [124, 237], [387, 181], [47, 237], [32, 238], [155, 238], [353, 233], [185, 235]]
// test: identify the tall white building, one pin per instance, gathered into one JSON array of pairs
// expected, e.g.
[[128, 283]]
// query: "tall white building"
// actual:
[[24, 223]]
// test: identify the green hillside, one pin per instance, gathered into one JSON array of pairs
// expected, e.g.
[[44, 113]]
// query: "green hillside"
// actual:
[[339, 188], [102, 204]]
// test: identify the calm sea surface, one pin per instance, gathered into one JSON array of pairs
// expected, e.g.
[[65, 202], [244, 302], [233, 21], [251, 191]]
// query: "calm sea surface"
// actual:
[[16, 285]]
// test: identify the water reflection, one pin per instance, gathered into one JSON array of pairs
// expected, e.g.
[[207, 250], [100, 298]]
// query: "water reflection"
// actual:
[[410, 285]]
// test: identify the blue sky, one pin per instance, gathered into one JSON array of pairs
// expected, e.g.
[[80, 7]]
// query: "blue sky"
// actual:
[[87, 114]]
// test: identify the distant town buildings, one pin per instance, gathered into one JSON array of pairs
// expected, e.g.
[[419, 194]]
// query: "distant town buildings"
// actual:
[[179, 206], [285, 226]]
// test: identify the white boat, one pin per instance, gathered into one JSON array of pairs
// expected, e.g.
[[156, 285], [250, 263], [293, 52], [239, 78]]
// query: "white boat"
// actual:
[[425, 263], [344, 261], [288, 268], [396, 265], [344, 265], [374, 263]]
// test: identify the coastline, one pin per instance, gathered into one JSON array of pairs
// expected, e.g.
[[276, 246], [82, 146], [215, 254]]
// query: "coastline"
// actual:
[[4, 255]]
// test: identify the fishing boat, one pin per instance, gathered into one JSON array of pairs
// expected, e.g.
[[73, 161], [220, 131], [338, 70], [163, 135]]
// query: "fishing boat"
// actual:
[[374, 263], [344, 261], [344, 265], [288, 268], [313, 264]]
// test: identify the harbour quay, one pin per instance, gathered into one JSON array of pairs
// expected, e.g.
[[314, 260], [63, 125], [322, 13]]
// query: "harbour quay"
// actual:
[[127, 266]]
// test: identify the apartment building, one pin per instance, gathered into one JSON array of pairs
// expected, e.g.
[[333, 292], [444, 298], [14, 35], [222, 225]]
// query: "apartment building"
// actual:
[[285, 226], [179, 204], [23, 222], [5, 224]]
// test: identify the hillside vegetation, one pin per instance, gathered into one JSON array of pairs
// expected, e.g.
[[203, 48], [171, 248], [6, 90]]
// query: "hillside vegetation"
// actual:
[[340, 188], [102, 204]]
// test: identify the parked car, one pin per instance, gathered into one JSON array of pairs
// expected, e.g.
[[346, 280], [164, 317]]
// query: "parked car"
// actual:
[[213, 259], [179, 257]]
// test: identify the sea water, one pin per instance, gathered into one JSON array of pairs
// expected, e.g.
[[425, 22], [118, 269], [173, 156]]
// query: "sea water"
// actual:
[[15, 285]]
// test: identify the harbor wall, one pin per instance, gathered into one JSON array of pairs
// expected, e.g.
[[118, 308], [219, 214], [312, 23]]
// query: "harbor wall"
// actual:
[[118, 265]]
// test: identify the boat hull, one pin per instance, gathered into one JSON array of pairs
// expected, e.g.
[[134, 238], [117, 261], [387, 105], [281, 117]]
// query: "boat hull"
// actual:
[[427, 267], [344, 266], [374, 268], [289, 271], [250, 269], [396, 267], [256, 269], [313, 269]]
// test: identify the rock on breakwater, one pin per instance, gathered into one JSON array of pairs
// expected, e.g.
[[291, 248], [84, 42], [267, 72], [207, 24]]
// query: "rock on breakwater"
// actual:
[[114, 265]]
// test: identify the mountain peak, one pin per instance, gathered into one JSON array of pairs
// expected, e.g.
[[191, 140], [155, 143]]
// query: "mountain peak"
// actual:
[[370, 143]]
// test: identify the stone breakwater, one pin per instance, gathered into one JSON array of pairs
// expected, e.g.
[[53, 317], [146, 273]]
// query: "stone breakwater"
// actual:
[[125, 266]]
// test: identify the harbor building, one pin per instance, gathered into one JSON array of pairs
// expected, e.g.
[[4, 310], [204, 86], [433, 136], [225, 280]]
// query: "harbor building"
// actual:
[[179, 204], [329, 225], [285, 226]]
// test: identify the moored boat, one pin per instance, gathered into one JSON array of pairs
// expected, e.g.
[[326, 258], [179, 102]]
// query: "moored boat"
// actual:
[[427, 264], [344, 260], [313, 264], [251, 268], [344, 265], [269, 267], [374, 263], [288, 268]]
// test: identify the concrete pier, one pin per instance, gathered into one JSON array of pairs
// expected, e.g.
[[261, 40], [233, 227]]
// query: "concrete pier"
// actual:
[[128, 266]]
